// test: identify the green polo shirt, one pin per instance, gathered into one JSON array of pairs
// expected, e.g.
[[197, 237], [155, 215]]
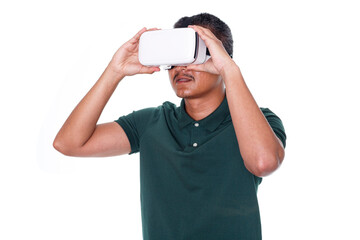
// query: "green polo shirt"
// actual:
[[193, 182]]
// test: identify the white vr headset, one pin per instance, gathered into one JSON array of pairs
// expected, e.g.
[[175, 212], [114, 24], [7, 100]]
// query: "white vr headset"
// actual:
[[172, 47]]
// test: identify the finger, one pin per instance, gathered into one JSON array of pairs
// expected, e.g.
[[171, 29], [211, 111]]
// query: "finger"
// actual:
[[203, 32], [153, 29], [204, 36], [198, 30], [207, 32], [137, 36], [211, 41]]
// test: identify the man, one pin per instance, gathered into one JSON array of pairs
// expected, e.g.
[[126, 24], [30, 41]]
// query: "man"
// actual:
[[200, 163]]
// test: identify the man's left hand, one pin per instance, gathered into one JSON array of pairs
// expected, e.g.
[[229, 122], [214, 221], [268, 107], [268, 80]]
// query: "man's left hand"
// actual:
[[219, 60]]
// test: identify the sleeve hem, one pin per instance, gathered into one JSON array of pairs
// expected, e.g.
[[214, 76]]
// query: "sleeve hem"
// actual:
[[129, 135]]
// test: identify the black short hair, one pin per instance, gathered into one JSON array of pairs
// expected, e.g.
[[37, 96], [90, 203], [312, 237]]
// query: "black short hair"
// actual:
[[220, 29]]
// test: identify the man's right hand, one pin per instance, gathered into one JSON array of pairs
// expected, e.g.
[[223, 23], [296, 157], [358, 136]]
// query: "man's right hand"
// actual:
[[81, 135], [125, 61]]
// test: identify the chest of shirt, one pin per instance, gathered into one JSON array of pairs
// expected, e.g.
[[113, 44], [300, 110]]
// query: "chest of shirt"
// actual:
[[193, 149]]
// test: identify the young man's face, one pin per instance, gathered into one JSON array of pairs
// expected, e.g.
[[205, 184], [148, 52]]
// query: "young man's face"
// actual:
[[192, 84]]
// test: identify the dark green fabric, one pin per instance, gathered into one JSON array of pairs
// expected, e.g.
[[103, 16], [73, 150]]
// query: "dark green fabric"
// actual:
[[188, 192]]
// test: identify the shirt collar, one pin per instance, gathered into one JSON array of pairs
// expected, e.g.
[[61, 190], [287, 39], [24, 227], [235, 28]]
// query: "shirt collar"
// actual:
[[211, 122]]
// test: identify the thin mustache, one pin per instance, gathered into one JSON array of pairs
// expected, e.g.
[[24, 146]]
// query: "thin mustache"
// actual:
[[184, 74]]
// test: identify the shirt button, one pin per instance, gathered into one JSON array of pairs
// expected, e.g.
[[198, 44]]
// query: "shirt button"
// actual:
[[196, 124], [195, 144]]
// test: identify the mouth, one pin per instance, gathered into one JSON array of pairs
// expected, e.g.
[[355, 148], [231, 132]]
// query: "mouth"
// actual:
[[183, 78]]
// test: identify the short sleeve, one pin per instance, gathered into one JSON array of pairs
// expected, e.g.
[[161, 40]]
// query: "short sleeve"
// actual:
[[276, 124], [134, 124]]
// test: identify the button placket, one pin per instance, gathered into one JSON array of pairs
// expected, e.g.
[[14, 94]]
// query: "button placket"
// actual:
[[196, 135]]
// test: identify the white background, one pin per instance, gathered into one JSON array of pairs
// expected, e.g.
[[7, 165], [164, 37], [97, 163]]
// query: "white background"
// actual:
[[301, 59]]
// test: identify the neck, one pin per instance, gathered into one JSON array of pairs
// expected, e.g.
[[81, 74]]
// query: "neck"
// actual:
[[200, 108]]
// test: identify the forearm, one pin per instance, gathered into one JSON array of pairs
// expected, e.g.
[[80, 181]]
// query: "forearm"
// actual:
[[82, 121], [260, 148]]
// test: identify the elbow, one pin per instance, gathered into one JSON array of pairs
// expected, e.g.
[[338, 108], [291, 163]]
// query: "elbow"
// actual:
[[265, 167], [267, 164], [62, 148]]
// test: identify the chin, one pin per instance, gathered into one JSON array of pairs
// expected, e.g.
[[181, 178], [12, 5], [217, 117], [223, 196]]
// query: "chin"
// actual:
[[182, 93], [187, 94]]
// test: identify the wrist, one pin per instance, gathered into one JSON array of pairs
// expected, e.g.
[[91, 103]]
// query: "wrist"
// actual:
[[114, 72], [229, 69]]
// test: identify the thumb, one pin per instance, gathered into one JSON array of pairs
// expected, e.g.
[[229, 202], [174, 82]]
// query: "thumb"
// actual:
[[149, 70], [208, 66], [196, 67]]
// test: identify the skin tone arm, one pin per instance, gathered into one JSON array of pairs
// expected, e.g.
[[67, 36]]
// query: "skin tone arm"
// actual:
[[81, 135], [260, 148]]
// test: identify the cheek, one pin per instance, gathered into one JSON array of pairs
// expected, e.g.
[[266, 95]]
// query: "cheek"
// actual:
[[171, 76], [207, 80]]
